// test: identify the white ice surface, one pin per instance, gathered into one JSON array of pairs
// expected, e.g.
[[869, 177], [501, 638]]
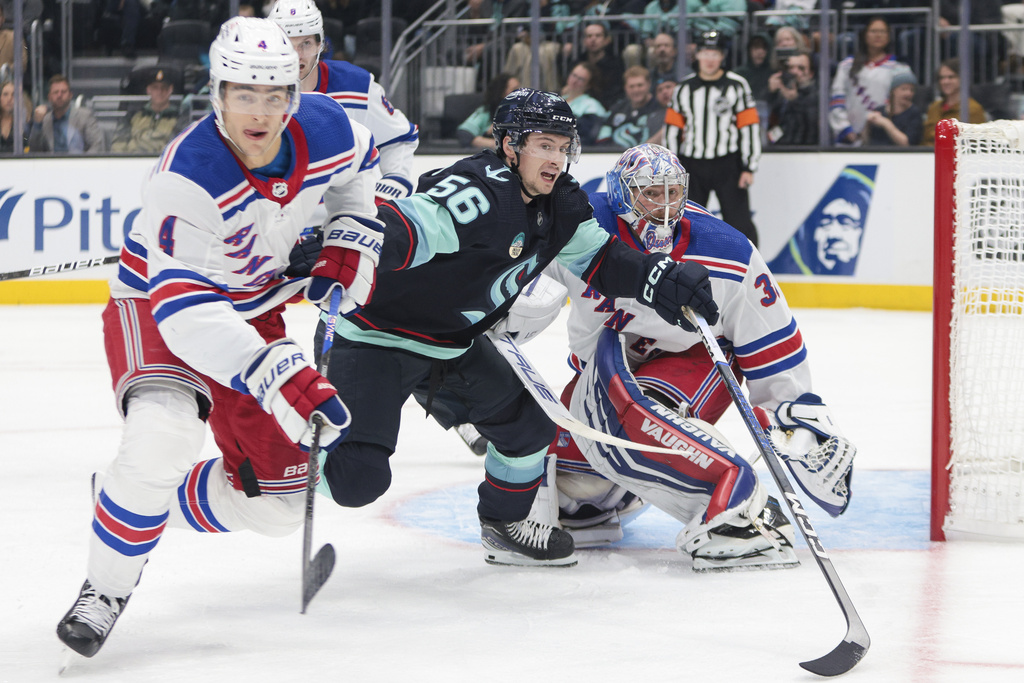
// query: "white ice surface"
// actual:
[[412, 600]]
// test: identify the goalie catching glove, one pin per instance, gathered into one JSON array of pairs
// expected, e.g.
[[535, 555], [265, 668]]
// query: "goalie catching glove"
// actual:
[[669, 286], [285, 385], [821, 459], [348, 260]]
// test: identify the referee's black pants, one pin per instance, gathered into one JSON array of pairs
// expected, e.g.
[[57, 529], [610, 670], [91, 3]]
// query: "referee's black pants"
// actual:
[[722, 175]]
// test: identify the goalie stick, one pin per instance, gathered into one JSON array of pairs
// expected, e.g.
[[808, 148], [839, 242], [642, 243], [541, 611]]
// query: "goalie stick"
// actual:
[[60, 267], [548, 400], [856, 643], [316, 570]]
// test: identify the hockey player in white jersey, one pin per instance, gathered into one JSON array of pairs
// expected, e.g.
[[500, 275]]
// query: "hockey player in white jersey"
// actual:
[[193, 329], [355, 89], [654, 383]]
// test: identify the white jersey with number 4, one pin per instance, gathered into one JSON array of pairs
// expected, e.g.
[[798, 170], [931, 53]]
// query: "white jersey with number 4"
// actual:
[[212, 242]]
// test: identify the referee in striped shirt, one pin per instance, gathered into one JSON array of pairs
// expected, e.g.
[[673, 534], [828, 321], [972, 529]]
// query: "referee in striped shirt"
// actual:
[[712, 126]]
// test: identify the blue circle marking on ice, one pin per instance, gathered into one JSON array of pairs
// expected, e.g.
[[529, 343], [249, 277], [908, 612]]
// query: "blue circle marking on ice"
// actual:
[[889, 510]]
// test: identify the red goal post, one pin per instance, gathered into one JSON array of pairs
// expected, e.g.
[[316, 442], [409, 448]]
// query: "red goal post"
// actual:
[[978, 332]]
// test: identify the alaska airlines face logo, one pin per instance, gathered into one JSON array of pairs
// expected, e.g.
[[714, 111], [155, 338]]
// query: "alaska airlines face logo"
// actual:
[[829, 240]]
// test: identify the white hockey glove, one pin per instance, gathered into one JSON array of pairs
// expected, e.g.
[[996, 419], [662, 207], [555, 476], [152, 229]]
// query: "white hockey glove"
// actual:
[[391, 187], [286, 386], [815, 450], [348, 260], [536, 308]]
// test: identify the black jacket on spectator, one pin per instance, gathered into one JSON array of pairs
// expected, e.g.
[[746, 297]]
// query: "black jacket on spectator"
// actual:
[[796, 122]]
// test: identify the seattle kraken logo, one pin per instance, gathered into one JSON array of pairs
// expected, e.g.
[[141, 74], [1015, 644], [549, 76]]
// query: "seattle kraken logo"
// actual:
[[6, 209]]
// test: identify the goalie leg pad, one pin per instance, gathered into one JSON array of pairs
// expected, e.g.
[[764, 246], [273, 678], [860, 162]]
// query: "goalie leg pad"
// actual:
[[707, 479]]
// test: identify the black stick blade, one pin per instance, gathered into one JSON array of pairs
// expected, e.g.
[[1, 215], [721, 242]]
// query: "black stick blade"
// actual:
[[840, 660], [317, 573]]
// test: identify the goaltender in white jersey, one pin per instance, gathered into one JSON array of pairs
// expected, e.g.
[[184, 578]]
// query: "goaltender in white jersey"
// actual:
[[355, 89], [193, 329], [654, 383]]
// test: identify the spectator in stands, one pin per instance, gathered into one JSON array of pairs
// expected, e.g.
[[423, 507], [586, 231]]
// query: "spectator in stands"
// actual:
[[64, 128], [898, 122], [988, 48], [948, 104], [476, 131], [758, 68], [787, 41], [793, 103], [626, 29], [589, 112], [7, 49], [605, 66], [662, 58], [663, 90], [862, 82], [637, 117], [8, 136], [149, 129], [519, 60]]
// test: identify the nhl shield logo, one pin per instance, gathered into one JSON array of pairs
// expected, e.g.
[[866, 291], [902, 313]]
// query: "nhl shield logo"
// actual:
[[279, 189], [516, 248]]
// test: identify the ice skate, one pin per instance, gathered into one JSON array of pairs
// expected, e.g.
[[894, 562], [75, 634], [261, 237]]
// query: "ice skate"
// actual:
[[89, 621], [728, 548], [526, 544], [476, 442]]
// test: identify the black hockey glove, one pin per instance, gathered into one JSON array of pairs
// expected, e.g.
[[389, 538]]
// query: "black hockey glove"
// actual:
[[303, 257], [668, 286]]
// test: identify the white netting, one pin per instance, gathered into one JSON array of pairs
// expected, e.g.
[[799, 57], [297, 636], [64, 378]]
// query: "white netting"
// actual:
[[987, 336]]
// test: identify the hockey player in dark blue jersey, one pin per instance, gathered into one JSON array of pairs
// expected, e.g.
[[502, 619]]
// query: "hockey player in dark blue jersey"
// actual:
[[353, 88], [456, 255]]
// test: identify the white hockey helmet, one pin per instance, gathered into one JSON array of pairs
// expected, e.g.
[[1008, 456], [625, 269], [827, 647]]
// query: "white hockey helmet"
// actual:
[[639, 168], [298, 18], [253, 51]]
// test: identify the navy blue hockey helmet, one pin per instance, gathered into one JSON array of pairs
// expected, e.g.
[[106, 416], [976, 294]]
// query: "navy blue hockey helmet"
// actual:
[[526, 110]]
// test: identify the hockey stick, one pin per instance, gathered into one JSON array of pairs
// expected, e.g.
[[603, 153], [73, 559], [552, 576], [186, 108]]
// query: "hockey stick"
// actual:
[[317, 570], [549, 403], [856, 643], [60, 267]]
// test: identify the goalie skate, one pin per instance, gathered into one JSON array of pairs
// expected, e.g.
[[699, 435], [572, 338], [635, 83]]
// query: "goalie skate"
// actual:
[[730, 548], [87, 624], [526, 544]]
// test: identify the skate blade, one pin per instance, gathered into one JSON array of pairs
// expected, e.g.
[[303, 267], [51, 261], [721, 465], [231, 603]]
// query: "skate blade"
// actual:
[[706, 568], [507, 559], [67, 656]]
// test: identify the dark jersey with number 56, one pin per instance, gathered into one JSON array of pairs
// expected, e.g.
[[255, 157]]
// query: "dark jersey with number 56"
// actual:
[[458, 252]]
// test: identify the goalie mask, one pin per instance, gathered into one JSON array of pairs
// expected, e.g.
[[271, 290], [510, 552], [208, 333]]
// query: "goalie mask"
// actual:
[[647, 188], [254, 52]]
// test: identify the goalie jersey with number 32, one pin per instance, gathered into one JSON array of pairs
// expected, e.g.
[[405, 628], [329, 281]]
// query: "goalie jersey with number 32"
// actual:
[[668, 364]]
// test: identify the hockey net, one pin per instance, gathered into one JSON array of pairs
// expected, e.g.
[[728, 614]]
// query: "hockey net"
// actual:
[[978, 337]]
